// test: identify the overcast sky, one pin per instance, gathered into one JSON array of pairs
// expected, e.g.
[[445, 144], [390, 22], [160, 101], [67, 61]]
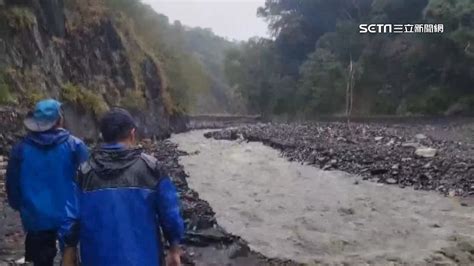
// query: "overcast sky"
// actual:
[[234, 19]]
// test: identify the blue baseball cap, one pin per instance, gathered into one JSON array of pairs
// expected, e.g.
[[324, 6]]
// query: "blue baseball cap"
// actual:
[[44, 117]]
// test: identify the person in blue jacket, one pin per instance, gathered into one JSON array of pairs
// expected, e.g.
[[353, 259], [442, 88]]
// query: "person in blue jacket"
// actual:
[[40, 179], [125, 198]]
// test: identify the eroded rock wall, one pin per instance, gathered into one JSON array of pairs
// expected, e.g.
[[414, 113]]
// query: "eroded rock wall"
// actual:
[[83, 56]]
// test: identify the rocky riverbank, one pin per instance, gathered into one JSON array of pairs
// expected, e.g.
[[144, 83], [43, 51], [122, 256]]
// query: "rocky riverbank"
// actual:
[[206, 243], [428, 157], [220, 121]]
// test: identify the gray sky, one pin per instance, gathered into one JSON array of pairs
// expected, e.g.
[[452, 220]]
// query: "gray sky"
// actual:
[[234, 19]]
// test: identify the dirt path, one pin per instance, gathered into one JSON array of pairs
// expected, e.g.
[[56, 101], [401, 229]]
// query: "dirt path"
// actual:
[[293, 211]]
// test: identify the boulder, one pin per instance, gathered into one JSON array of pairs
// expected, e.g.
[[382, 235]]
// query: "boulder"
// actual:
[[391, 181], [426, 152], [411, 145], [420, 136]]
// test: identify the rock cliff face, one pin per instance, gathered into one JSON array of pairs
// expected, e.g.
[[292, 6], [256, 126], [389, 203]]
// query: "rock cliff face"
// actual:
[[85, 57]]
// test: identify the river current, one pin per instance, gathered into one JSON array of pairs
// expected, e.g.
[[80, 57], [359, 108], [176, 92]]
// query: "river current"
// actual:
[[288, 210]]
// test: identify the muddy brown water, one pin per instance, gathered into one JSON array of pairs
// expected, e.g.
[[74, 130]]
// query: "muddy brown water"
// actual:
[[299, 212]]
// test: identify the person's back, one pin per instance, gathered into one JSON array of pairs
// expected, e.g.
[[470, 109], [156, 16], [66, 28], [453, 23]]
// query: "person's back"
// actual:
[[47, 165], [124, 199], [40, 179]]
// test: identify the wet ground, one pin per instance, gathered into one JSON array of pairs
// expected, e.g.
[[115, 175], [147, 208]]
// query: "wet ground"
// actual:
[[288, 210]]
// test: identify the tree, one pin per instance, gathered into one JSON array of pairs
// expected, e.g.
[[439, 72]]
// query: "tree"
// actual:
[[317, 58]]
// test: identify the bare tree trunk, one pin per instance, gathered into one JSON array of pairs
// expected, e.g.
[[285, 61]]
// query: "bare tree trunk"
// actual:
[[349, 89], [350, 93]]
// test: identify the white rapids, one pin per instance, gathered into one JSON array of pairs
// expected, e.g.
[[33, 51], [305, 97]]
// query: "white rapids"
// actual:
[[287, 210]]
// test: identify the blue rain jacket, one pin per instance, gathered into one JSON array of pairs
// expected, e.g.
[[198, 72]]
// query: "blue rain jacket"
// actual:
[[124, 199], [40, 177]]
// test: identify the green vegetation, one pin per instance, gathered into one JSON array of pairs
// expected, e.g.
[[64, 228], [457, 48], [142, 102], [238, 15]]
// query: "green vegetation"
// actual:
[[83, 98], [19, 17], [33, 96], [31, 85], [85, 13], [5, 95], [317, 58], [133, 100], [191, 58], [210, 51]]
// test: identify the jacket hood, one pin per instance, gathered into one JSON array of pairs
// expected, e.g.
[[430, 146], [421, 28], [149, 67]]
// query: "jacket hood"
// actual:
[[48, 138], [108, 163]]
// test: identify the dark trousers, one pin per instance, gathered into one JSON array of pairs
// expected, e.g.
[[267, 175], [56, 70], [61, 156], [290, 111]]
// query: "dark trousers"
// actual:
[[40, 248]]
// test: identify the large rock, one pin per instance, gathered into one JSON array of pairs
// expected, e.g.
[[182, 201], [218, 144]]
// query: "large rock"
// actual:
[[82, 124], [426, 152], [420, 136]]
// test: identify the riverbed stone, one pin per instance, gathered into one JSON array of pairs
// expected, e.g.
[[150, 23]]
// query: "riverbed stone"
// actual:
[[420, 136], [426, 152], [391, 181]]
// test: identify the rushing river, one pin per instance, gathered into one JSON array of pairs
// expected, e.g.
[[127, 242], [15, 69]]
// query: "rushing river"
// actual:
[[288, 210]]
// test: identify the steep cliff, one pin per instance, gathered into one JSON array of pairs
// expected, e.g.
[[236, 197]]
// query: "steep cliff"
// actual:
[[78, 52]]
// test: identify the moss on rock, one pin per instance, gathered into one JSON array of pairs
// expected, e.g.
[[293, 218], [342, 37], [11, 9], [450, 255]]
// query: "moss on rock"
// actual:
[[134, 100], [86, 99], [5, 95], [19, 17]]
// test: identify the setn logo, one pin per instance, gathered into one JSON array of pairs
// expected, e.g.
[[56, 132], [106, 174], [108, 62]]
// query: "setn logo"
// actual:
[[375, 28], [401, 28]]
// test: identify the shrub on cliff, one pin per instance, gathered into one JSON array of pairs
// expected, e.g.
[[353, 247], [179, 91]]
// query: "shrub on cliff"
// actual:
[[18, 17], [5, 95], [33, 96], [133, 100], [85, 99]]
